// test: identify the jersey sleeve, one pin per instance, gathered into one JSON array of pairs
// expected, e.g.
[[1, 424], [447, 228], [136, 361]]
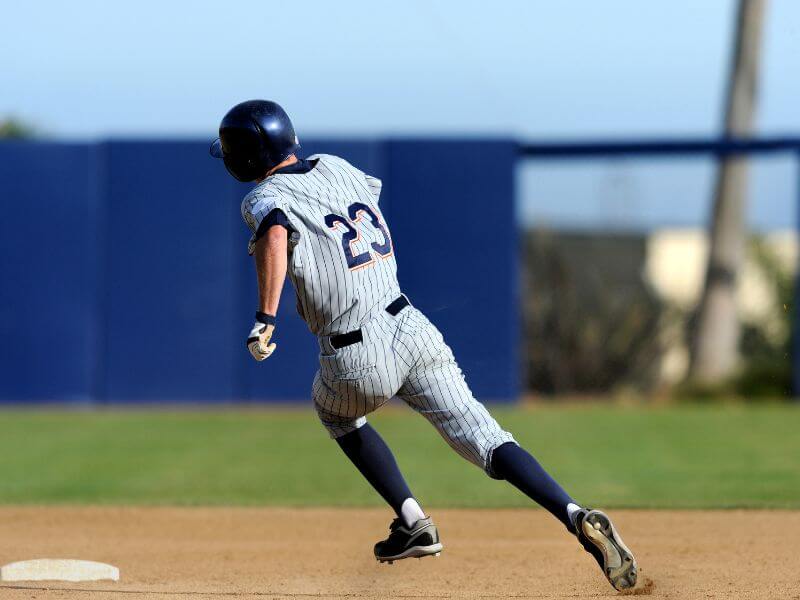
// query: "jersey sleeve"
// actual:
[[374, 185], [260, 210], [256, 206]]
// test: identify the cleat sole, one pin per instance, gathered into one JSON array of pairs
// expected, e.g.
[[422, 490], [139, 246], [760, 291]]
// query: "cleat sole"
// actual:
[[619, 563]]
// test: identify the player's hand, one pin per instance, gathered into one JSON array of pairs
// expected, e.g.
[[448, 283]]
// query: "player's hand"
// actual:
[[258, 342]]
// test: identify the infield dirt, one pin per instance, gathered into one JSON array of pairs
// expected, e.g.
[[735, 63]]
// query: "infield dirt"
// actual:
[[327, 553]]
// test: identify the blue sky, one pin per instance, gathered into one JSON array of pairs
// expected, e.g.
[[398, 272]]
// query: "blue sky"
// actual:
[[530, 69]]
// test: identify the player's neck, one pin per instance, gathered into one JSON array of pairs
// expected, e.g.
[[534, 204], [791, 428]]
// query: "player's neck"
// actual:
[[289, 161]]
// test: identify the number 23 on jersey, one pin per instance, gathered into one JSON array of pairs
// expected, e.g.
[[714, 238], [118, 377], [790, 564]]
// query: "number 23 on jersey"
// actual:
[[351, 234]]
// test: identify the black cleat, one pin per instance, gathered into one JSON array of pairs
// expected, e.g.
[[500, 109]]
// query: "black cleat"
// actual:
[[600, 539], [421, 539]]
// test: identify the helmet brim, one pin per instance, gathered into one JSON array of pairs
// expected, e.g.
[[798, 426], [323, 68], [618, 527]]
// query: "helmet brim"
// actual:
[[216, 149]]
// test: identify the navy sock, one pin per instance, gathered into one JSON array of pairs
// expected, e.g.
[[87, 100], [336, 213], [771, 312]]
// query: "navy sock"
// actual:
[[520, 469], [370, 454]]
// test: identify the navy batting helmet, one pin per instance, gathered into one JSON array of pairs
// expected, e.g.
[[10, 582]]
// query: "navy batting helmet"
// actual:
[[254, 137]]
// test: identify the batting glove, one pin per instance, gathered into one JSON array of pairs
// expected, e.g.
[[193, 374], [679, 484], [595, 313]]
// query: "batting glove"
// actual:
[[258, 342]]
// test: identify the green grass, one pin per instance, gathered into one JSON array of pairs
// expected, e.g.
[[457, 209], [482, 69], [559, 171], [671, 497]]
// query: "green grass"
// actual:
[[681, 457]]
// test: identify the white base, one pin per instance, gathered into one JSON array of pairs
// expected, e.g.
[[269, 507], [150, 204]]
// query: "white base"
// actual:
[[51, 569]]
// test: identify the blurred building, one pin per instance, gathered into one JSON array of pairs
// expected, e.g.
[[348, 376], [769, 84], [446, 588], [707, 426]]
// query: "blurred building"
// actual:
[[675, 267], [608, 311]]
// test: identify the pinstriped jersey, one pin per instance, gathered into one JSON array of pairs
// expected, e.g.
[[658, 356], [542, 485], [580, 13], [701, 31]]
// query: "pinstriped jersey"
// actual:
[[341, 258]]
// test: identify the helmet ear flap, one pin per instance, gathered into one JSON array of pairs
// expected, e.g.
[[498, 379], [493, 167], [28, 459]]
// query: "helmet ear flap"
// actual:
[[245, 169]]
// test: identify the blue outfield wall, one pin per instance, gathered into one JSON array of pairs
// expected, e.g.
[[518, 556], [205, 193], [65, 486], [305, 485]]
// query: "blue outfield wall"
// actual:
[[124, 275], [48, 251]]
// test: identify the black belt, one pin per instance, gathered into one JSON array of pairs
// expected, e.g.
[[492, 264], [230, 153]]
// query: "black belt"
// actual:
[[354, 337]]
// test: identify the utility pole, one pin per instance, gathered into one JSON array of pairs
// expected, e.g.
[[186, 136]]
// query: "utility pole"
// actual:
[[715, 341]]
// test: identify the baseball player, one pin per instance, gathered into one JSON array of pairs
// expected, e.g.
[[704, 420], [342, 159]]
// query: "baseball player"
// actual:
[[318, 220]]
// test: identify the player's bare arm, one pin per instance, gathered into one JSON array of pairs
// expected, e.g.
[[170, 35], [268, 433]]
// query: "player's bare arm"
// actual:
[[270, 260]]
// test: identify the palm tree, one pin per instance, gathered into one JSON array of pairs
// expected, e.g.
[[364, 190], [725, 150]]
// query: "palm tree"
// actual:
[[715, 337]]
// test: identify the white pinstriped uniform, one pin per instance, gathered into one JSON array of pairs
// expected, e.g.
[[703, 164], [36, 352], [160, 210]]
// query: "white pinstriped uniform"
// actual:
[[344, 274]]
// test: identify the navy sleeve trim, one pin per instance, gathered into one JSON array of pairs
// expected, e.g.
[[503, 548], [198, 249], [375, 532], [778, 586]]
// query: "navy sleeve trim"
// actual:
[[275, 217]]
